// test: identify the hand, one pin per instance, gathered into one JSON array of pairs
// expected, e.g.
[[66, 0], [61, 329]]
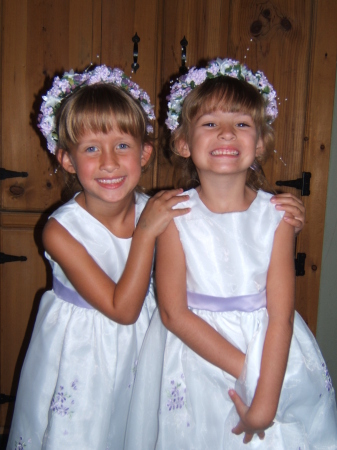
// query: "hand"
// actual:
[[247, 423], [158, 211], [294, 208]]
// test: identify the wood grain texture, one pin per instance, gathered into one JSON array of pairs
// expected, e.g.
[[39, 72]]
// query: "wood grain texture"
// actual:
[[120, 22], [40, 39], [319, 110], [205, 26], [21, 289]]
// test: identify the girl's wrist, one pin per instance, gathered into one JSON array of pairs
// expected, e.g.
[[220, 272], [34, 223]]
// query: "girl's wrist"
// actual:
[[144, 234]]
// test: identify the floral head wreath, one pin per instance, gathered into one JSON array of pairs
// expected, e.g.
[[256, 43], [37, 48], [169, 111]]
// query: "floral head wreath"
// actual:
[[220, 67], [70, 82]]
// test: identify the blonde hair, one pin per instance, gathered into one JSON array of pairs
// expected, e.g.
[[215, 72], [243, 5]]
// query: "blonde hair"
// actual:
[[228, 95], [98, 108]]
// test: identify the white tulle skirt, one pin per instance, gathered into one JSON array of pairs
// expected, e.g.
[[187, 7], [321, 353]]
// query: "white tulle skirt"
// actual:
[[180, 401], [76, 381]]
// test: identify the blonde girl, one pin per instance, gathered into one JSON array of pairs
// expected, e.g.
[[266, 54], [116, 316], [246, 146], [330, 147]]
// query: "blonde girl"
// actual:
[[78, 373]]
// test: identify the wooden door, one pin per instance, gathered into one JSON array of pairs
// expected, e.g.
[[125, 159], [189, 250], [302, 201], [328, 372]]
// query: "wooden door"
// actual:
[[121, 20], [40, 39], [295, 44]]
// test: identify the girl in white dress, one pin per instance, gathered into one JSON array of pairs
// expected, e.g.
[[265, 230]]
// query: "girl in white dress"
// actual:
[[230, 355], [77, 378]]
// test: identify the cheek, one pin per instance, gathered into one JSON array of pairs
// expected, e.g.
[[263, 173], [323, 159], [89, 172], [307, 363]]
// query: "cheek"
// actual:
[[85, 169]]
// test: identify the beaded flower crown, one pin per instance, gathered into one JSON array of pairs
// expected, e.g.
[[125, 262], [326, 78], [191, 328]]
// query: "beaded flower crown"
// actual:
[[219, 67], [70, 82]]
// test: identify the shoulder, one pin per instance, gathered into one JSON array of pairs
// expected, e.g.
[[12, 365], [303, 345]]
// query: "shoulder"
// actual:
[[264, 208], [191, 203], [63, 210], [141, 198], [140, 202]]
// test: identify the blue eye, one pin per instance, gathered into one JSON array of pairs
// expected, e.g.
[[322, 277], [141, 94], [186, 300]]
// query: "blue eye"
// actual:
[[242, 124], [91, 149], [122, 146]]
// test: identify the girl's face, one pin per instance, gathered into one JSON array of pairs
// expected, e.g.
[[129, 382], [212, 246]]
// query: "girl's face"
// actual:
[[222, 142], [108, 166]]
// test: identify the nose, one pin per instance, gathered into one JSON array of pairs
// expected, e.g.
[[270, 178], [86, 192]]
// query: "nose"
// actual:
[[226, 132], [109, 161]]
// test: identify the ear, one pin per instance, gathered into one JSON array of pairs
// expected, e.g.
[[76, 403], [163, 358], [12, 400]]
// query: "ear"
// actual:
[[182, 148], [260, 147], [65, 161], [146, 154]]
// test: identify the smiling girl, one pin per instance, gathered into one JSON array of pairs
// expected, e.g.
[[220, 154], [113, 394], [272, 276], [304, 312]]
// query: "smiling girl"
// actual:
[[77, 378], [225, 282]]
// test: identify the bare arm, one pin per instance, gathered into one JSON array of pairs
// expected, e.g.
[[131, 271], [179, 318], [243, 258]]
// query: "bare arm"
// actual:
[[280, 306], [122, 302], [172, 300]]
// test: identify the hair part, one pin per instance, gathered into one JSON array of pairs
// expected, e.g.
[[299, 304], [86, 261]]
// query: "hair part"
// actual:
[[226, 94]]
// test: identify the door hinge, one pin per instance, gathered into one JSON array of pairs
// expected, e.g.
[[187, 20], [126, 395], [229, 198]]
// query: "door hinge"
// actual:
[[299, 264], [4, 173], [6, 398], [300, 183], [10, 258]]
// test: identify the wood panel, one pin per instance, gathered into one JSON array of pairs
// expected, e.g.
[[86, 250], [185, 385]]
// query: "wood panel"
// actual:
[[40, 39], [205, 26], [117, 46], [276, 37], [22, 284], [319, 110]]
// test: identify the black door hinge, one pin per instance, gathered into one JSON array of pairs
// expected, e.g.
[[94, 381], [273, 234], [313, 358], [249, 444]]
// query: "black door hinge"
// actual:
[[299, 264], [300, 183]]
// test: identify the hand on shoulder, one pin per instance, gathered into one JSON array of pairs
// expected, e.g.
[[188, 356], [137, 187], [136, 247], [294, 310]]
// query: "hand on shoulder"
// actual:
[[159, 211], [293, 207]]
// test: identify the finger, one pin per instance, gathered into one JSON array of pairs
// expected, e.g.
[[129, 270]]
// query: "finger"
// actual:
[[240, 406], [248, 437], [286, 195], [180, 211], [238, 429], [293, 221], [287, 200], [295, 210], [261, 435], [176, 200], [168, 193]]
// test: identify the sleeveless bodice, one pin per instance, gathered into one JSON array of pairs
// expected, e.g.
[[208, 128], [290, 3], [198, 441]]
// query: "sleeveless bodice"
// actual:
[[228, 255]]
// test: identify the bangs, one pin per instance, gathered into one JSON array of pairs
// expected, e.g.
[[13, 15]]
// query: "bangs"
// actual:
[[227, 95], [98, 109]]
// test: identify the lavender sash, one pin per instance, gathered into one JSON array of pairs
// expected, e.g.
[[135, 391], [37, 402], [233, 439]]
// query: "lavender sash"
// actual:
[[245, 303], [68, 295]]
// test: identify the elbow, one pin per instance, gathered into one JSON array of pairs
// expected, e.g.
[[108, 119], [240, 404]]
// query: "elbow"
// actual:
[[290, 322], [167, 319], [125, 317]]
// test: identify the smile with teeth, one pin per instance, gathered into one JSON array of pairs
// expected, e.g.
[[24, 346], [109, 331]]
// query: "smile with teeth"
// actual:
[[110, 181], [220, 152]]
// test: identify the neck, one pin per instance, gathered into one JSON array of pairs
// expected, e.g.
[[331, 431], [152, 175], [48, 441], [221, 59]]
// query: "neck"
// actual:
[[225, 194], [117, 217]]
